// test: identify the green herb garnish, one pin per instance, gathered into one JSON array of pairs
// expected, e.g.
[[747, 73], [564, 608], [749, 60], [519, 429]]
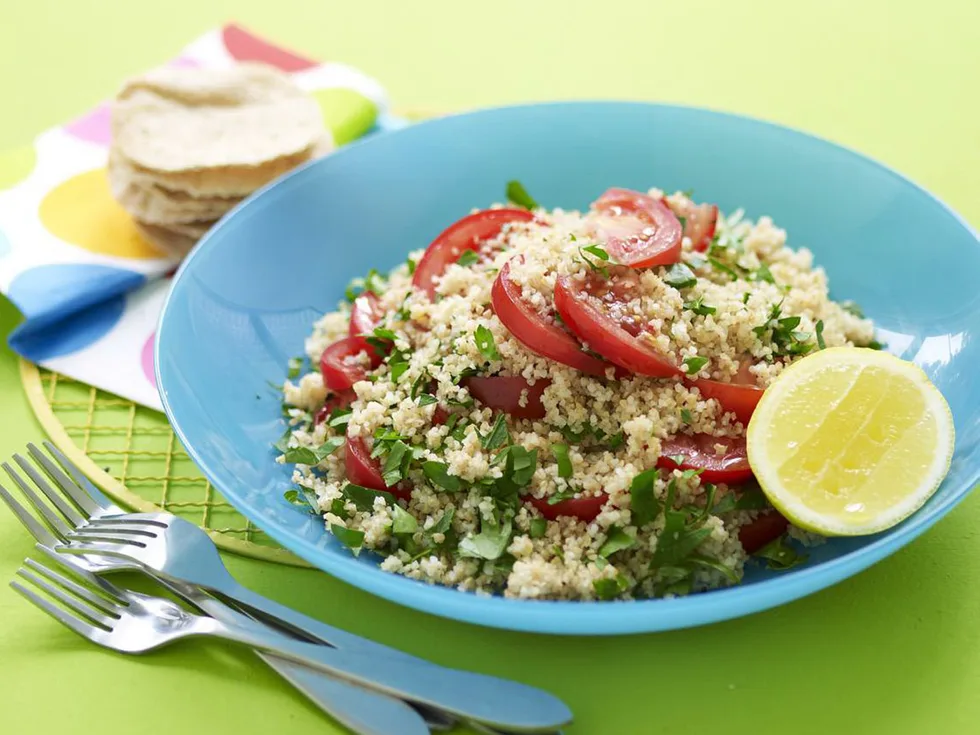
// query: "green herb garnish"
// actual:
[[699, 307], [402, 522], [396, 463], [498, 436], [350, 538], [617, 539], [609, 589], [680, 276], [426, 399], [686, 416], [295, 366], [599, 254], [490, 543], [723, 267], [852, 308], [763, 273], [561, 456], [517, 194], [411, 264], [313, 457], [304, 497], [819, 330], [363, 497], [539, 527], [644, 506], [693, 365], [438, 474], [468, 258], [780, 555], [485, 343]]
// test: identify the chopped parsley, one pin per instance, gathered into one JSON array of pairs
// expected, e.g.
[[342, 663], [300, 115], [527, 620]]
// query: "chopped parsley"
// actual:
[[561, 456], [561, 495], [426, 399], [517, 194], [489, 543], [693, 365], [779, 555], [763, 273], [313, 457], [350, 538], [852, 308], [398, 369], [498, 436], [785, 339], [719, 265], [686, 416], [539, 527], [363, 497], [396, 463], [617, 539], [468, 258], [485, 343], [438, 474], [303, 497], [402, 522], [699, 307], [608, 589], [599, 255], [445, 523], [411, 265], [645, 507], [374, 282], [819, 330], [680, 276], [295, 366]]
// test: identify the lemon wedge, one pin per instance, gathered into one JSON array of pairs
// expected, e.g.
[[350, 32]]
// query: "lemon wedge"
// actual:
[[850, 441]]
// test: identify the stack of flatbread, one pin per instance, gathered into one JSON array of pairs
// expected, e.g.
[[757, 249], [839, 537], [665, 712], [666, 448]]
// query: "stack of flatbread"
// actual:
[[189, 144]]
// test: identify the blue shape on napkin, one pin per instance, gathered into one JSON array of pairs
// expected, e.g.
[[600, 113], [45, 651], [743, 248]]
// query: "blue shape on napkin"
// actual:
[[85, 301]]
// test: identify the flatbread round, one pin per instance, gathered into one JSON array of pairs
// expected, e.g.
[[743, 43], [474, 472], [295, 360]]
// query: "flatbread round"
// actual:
[[144, 198], [178, 121], [173, 243]]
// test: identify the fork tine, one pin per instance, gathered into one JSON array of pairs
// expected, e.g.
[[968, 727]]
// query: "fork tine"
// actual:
[[76, 589], [70, 514], [95, 547], [68, 600], [85, 535], [73, 564], [81, 480], [39, 532], [86, 630], [71, 489], [122, 528], [54, 522]]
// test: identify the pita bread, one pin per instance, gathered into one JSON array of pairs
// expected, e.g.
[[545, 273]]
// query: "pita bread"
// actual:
[[148, 201], [176, 121], [173, 243]]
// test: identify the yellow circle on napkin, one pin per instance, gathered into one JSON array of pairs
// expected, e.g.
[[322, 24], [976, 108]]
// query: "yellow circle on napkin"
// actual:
[[16, 165], [81, 211]]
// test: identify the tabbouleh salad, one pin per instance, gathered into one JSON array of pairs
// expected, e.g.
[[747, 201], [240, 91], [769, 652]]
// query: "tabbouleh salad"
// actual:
[[552, 404]]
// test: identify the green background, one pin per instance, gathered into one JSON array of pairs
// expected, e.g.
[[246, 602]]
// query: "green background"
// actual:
[[895, 650]]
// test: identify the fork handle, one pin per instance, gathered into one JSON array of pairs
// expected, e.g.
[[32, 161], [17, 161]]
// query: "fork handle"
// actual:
[[486, 699], [280, 616]]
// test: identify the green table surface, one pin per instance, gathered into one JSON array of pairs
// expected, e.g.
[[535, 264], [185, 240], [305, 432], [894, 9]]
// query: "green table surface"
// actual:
[[895, 650]]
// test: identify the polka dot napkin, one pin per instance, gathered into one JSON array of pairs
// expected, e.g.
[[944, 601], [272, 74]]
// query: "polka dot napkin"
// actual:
[[89, 287]]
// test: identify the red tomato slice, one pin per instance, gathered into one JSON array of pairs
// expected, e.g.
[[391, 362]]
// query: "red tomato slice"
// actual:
[[765, 528], [339, 372], [585, 508], [365, 314], [700, 221], [364, 470], [741, 396], [504, 394], [731, 467], [536, 331], [337, 400], [468, 233], [590, 310], [638, 230]]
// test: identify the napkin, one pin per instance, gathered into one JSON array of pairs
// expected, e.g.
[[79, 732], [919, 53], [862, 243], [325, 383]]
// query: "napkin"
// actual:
[[89, 287]]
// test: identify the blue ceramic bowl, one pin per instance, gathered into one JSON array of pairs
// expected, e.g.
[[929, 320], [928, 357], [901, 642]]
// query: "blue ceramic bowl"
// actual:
[[245, 299]]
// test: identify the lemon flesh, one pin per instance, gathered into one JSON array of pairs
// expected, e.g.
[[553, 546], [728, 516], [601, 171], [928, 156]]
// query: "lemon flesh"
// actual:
[[850, 441]]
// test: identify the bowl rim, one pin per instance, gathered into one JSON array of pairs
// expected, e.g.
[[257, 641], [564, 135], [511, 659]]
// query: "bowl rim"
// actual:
[[568, 617]]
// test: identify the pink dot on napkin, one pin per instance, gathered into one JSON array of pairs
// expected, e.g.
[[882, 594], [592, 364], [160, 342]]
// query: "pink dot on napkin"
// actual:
[[243, 46], [93, 127], [146, 359]]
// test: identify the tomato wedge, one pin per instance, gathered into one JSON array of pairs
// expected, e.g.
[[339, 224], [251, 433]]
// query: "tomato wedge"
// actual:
[[339, 370], [503, 393], [741, 396], [700, 221], [731, 467], [638, 230], [538, 332], [767, 527], [364, 470], [365, 315], [468, 233], [590, 309], [337, 400], [585, 508]]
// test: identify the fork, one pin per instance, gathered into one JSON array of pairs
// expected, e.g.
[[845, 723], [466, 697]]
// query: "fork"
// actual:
[[134, 623], [361, 710], [156, 537]]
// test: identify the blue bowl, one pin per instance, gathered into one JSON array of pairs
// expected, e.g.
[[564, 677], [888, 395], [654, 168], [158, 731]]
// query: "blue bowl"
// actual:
[[245, 299]]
